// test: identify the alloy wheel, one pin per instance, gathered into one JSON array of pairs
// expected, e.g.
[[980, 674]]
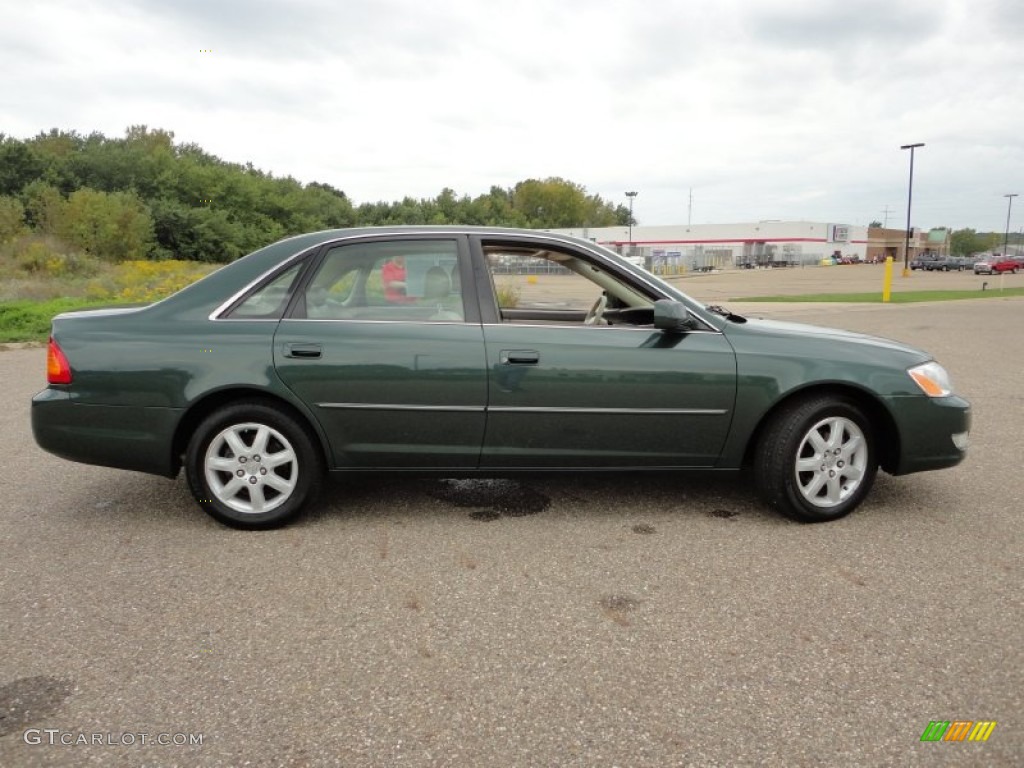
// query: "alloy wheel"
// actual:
[[831, 461], [251, 468]]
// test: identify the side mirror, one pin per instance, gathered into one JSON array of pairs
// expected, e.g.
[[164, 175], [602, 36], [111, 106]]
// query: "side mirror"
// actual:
[[672, 316]]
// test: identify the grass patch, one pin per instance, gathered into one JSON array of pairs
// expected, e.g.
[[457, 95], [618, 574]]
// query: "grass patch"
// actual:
[[30, 320], [901, 297]]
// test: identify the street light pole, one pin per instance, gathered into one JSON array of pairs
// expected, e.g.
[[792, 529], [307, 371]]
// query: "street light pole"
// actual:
[[1006, 236], [631, 196], [910, 197]]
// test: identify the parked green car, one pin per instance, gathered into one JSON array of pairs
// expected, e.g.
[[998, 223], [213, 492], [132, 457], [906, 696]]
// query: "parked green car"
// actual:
[[461, 352]]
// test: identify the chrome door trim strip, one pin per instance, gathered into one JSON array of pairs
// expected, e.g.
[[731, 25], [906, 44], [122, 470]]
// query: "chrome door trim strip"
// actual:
[[612, 411], [396, 407], [527, 409]]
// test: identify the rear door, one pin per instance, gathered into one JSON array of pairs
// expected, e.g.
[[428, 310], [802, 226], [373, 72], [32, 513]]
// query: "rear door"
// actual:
[[384, 347]]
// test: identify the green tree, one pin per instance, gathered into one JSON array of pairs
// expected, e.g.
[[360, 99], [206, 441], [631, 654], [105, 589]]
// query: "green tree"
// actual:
[[19, 165], [114, 225], [12, 218], [204, 208], [964, 242], [555, 202], [44, 207]]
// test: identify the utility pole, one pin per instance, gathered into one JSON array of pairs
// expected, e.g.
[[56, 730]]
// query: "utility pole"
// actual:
[[689, 209], [885, 221], [910, 197], [631, 195], [1006, 236]]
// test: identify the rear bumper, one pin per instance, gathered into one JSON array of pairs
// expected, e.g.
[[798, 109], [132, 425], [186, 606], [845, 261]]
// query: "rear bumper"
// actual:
[[933, 432], [123, 437]]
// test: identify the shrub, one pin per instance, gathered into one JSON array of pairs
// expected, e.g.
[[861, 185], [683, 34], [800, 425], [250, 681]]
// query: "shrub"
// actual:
[[115, 225], [47, 256], [508, 296], [12, 218], [148, 281]]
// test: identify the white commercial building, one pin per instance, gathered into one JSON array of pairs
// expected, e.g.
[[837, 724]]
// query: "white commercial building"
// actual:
[[763, 243]]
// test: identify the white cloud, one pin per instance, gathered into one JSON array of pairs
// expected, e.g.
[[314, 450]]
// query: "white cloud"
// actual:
[[766, 108]]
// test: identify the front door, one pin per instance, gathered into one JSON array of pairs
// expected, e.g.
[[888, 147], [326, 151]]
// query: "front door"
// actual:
[[579, 377]]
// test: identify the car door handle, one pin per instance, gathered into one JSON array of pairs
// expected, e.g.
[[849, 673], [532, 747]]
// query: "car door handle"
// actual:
[[519, 357], [303, 351]]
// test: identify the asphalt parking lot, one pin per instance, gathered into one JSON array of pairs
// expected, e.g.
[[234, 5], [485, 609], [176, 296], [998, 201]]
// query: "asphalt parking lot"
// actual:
[[590, 620]]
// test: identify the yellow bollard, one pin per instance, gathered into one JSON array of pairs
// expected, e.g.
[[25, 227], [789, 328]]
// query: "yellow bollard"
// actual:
[[887, 280]]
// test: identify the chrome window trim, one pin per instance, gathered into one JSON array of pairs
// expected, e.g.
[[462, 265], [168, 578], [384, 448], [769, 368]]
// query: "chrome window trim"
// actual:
[[392, 322], [283, 266], [564, 241], [213, 316], [580, 326], [636, 273]]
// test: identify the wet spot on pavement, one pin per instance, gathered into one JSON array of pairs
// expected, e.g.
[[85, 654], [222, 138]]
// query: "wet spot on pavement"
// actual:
[[28, 701], [723, 513], [492, 498], [617, 608]]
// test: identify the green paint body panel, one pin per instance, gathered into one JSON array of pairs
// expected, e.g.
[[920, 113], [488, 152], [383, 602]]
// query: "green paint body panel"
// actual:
[[436, 370], [589, 391], [473, 396]]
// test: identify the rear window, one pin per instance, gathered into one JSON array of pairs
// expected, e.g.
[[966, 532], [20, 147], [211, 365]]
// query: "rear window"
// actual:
[[268, 301]]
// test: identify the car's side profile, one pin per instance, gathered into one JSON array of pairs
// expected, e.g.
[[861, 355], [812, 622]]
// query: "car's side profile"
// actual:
[[422, 349]]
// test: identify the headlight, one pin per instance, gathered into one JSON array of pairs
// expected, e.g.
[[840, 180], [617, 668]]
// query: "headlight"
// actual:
[[932, 379]]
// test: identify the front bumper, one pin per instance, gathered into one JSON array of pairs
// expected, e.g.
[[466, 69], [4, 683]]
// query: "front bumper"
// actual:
[[933, 432]]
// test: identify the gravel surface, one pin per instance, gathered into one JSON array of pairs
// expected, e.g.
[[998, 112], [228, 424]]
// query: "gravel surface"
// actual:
[[595, 620]]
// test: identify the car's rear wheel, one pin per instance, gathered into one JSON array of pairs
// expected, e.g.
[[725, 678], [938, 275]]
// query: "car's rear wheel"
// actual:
[[251, 466], [816, 460]]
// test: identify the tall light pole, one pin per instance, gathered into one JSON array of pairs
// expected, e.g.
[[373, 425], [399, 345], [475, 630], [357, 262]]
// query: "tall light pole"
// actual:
[[1006, 236], [631, 196], [910, 196]]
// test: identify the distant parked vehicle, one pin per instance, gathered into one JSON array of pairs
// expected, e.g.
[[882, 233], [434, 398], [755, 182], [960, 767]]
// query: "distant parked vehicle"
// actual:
[[997, 265], [921, 263], [948, 264]]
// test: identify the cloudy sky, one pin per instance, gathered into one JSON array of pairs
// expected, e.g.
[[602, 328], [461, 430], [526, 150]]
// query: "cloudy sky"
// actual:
[[766, 109]]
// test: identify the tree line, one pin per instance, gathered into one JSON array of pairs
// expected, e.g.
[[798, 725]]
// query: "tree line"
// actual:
[[145, 196]]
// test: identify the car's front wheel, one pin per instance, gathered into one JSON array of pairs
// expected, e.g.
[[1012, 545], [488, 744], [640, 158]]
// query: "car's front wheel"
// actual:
[[252, 466], [816, 460]]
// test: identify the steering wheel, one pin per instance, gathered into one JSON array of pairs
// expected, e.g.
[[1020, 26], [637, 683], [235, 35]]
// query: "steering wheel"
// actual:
[[594, 315]]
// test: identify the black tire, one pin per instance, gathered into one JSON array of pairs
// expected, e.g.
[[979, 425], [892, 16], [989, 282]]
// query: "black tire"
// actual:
[[787, 440], [284, 475]]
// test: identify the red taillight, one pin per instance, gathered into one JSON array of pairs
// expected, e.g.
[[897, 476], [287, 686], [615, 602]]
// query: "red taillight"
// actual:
[[58, 371]]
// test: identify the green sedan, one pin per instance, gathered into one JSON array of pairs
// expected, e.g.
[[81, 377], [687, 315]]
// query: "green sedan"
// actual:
[[462, 352]]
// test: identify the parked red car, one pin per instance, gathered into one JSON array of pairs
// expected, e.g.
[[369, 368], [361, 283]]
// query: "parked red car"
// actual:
[[998, 265]]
